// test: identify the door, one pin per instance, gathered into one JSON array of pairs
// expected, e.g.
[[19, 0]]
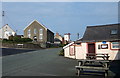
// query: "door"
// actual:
[[35, 38], [91, 49]]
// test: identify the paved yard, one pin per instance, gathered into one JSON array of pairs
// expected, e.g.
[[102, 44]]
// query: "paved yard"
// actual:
[[38, 63], [11, 51], [45, 62]]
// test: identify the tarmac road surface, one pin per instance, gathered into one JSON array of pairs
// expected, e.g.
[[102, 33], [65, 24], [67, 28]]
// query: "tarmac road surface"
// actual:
[[38, 63], [44, 62]]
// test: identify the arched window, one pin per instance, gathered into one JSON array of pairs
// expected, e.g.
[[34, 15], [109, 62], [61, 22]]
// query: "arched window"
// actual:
[[29, 33], [41, 34], [35, 31]]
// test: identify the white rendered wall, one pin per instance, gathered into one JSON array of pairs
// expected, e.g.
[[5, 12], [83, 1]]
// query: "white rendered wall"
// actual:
[[67, 53], [114, 54], [6, 32], [67, 37]]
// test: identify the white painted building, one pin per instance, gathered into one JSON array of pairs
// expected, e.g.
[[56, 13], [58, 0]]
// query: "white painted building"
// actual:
[[6, 31], [97, 39], [67, 37]]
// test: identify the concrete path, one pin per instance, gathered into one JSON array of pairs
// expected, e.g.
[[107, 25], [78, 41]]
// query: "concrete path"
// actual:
[[38, 63]]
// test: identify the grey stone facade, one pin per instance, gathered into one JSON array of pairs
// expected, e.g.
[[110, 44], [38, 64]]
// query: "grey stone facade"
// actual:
[[39, 33]]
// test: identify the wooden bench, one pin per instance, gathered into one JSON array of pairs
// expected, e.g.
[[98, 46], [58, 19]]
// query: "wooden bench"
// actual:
[[97, 55], [88, 67], [94, 57], [82, 65], [80, 69]]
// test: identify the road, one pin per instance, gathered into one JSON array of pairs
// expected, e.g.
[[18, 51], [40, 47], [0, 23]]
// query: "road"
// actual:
[[44, 62], [38, 63], [12, 51]]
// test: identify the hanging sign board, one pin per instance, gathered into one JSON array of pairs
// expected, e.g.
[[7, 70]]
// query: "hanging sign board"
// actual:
[[104, 42]]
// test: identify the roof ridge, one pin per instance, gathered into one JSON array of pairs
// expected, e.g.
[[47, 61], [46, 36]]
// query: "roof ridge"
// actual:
[[104, 25]]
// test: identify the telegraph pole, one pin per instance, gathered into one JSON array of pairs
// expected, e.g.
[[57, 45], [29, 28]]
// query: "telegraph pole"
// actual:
[[3, 21], [78, 35], [3, 17], [3, 13]]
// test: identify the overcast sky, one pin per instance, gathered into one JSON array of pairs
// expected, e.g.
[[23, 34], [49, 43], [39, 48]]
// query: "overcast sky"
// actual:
[[62, 17]]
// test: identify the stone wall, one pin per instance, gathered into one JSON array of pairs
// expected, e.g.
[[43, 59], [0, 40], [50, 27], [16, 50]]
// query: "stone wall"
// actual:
[[25, 45]]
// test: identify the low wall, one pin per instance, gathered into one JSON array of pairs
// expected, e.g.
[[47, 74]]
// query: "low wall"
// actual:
[[25, 45]]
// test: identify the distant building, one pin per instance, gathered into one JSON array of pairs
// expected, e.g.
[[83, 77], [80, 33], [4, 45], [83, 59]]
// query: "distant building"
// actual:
[[58, 39], [39, 33], [97, 39], [6, 31], [67, 38]]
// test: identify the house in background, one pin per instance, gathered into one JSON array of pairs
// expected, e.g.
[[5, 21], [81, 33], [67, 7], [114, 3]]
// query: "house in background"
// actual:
[[96, 39], [39, 33], [67, 38], [58, 39], [6, 31]]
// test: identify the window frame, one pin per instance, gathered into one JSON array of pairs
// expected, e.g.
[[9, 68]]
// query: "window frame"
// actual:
[[41, 34], [35, 31], [114, 45], [29, 33], [114, 32], [72, 50], [104, 45]]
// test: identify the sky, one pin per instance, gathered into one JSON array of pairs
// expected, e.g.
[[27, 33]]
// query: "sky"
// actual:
[[61, 17]]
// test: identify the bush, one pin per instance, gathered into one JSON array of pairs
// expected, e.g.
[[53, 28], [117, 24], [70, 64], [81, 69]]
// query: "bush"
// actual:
[[6, 41], [26, 40], [61, 52], [15, 39]]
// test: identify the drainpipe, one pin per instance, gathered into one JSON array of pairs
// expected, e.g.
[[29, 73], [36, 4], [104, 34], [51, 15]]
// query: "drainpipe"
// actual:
[[74, 50]]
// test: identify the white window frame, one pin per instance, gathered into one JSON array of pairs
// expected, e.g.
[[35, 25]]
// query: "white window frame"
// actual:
[[72, 50], [115, 44], [29, 34], [35, 31], [41, 34]]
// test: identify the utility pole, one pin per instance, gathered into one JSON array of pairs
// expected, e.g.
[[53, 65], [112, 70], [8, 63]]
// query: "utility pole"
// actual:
[[78, 35], [3, 17], [3, 13], [3, 21]]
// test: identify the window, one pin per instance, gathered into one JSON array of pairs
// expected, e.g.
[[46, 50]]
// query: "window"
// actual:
[[6, 28], [113, 32], [72, 51], [115, 45], [99, 47], [29, 33], [41, 31], [41, 34], [35, 31], [104, 46]]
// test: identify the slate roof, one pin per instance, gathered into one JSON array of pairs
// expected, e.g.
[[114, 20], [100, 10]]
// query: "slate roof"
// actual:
[[101, 33]]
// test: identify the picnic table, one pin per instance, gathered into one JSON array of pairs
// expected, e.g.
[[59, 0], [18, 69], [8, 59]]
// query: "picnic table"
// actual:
[[97, 55], [93, 64]]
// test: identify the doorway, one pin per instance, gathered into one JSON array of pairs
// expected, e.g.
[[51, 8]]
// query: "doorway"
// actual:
[[91, 49], [35, 38]]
